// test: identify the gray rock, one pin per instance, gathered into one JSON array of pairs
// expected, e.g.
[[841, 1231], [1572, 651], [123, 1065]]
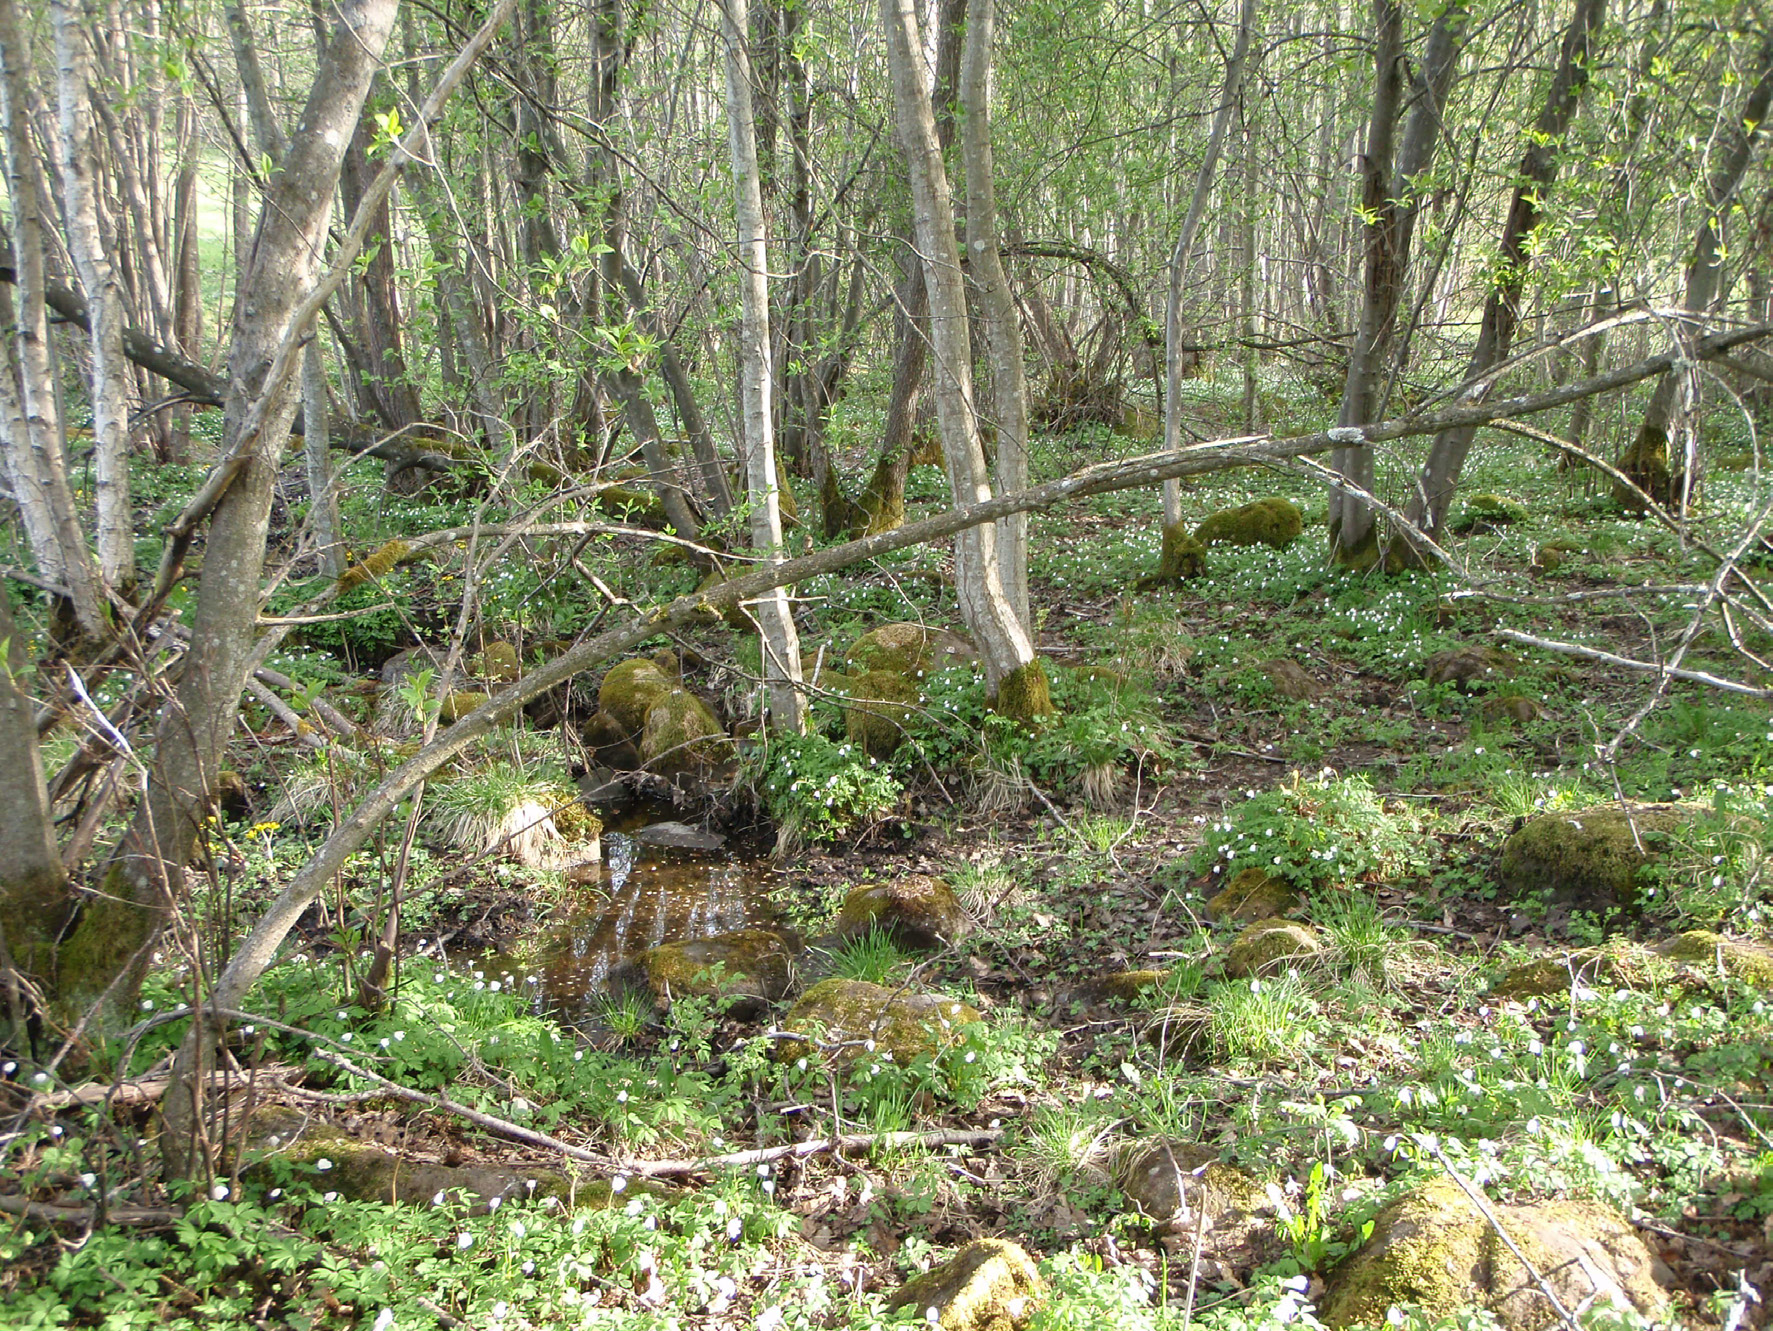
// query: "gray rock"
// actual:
[[679, 836]]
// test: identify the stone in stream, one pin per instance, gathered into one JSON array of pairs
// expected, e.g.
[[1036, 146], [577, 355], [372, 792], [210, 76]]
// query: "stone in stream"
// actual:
[[749, 968], [679, 836]]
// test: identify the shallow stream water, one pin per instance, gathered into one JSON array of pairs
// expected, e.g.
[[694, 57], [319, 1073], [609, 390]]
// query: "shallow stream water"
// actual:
[[644, 897]]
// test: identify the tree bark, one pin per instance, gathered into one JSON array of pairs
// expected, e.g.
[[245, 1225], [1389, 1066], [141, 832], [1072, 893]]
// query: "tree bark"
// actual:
[[781, 644], [997, 307], [1014, 677], [1648, 461], [1184, 248], [144, 879], [33, 887], [1439, 479], [1390, 201], [37, 460], [109, 387]]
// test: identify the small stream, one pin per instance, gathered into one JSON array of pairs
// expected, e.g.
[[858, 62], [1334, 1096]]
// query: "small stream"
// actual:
[[646, 896]]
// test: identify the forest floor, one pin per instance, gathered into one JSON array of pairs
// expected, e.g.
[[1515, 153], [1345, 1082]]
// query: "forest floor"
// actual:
[[1409, 1040]]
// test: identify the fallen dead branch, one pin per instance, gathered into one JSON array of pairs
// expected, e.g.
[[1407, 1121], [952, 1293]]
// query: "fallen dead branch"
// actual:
[[1628, 663]]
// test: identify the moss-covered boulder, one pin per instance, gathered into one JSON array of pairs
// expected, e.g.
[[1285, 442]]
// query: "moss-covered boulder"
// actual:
[[1253, 894], [1273, 521], [581, 827], [1590, 859], [498, 663], [629, 691], [920, 912], [748, 968], [1434, 1249], [1738, 958], [1513, 709], [1126, 986], [682, 735], [1550, 555], [1463, 667], [1182, 556], [1171, 1180], [282, 1142], [908, 649], [1485, 512], [879, 703], [626, 503], [458, 704], [613, 747], [839, 1012], [989, 1285], [1290, 680], [1693, 959], [1271, 945]]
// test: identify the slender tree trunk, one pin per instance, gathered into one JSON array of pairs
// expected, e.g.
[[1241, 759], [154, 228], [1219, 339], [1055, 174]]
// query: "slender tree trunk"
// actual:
[[109, 388], [323, 499], [34, 898], [1174, 366], [37, 457], [145, 877], [1439, 479], [1014, 677], [1649, 461], [1390, 201], [998, 320], [781, 644]]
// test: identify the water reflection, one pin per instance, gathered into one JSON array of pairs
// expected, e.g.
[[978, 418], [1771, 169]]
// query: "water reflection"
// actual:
[[646, 897]]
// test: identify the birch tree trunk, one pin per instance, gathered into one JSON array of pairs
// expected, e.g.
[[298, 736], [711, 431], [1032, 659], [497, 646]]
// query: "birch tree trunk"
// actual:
[[998, 319], [109, 388], [1179, 256], [1013, 675], [1439, 479], [781, 644], [36, 457], [1648, 461]]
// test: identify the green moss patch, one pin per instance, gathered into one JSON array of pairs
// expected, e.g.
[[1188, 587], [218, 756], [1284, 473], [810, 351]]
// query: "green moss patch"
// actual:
[[1273, 521]]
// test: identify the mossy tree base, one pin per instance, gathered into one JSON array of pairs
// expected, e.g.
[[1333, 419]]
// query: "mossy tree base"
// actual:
[[1024, 694]]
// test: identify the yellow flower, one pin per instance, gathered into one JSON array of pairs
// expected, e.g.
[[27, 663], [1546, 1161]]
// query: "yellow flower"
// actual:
[[264, 829]]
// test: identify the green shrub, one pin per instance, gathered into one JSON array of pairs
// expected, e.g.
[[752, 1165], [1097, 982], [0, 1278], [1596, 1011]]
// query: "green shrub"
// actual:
[[1327, 831], [818, 790]]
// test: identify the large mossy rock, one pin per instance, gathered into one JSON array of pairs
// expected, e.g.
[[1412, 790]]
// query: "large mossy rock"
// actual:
[[1271, 945], [1695, 957], [1485, 512], [748, 968], [874, 718], [1273, 521], [919, 912], [629, 691], [905, 1025], [333, 1160], [1182, 557], [1465, 666], [1171, 1180], [989, 1285], [1290, 680], [682, 735], [1433, 1249], [1590, 859], [908, 649], [1253, 894], [498, 663]]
